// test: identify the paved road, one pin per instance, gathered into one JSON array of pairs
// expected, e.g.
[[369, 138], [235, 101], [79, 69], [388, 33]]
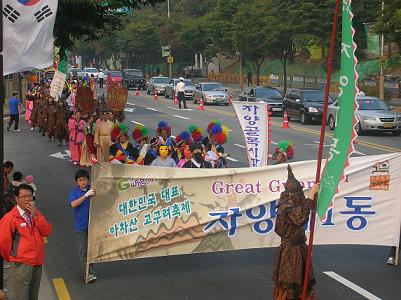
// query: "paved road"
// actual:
[[235, 275]]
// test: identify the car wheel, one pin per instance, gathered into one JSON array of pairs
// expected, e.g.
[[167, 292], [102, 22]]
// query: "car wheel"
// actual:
[[396, 133], [358, 129], [195, 102], [304, 118], [148, 92], [165, 95], [332, 122]]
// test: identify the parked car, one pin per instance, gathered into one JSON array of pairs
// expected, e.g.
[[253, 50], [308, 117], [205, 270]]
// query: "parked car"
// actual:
[[189, 88], [134, 78], [114, 77], [77, 73], [307, 105], [373, 115], [157, 84], [91, 71], [270, 95], [211, 92]]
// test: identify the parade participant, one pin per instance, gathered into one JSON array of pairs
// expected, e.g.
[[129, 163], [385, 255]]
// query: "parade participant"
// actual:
[[61, 123], [140, 135], [76, 136], [180, 88], [187, 156], [154, 149], [283, 152], [208, 141], [88, 150], [163, 159], [183, 139], [164, 131], [21, 244], [79, 200], [92, 85], [196, 133], [41, 114], [103, 137], [71, 101], [122, 151], [30, 97], [197, 160], [50, 118], [293, 211], [35, 108]]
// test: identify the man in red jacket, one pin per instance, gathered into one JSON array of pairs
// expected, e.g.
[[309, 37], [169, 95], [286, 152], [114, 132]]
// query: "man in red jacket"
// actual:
[[21, 244]]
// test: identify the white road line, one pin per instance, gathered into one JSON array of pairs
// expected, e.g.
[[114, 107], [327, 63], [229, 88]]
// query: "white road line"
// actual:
[[241, 146], [176, 108], [137, 123], [128, 109], [230, 130], [131, 104], [352, 285], [181, 117], [358, 152], [232, 159], [150, 108], [274, 143]]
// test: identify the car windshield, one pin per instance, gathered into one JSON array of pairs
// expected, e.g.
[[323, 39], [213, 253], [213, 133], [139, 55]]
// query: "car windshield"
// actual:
[[315, 96], [372, 104], [92, 70], [136, 73], [267, 93], [209, 87], [161, 80], [116, 74]]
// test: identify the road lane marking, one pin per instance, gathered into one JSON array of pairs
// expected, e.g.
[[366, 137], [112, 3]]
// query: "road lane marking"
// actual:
[[232, 159], [358, 152], [150, 108], [241, 146], [61, 289], [138, 123], [352, 285], [175, 108], [128, 109], [131, 104], [274, 143], [181, 117]]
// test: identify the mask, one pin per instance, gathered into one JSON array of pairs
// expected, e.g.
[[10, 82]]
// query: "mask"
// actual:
[[198, 157], [187, 152], [163, 151]]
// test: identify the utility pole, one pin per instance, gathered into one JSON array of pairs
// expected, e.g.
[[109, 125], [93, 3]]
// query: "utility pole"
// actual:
[[241, 72], [169, 60], [168, 9], [382, 61]]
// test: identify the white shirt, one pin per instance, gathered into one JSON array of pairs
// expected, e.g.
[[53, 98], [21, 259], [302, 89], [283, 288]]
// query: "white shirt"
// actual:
[[100, 75], [21, 211], [180, 86]]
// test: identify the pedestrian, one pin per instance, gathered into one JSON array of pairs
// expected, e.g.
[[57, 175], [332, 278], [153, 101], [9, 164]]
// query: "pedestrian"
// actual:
[[50, 118], [163, 159], [180, 88], [22, 245], [61, 123], [88, 150], [79, 199], [29, 100], [101, 78], [391, 259], [103, 136], [249, 76], [293, 211], [76, 136], [14, 104]]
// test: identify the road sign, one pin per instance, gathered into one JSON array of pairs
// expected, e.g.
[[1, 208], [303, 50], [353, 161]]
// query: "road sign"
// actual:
[[170, 59]]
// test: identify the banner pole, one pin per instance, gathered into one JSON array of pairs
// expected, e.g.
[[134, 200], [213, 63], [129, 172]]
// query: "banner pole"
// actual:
[[320, 154]]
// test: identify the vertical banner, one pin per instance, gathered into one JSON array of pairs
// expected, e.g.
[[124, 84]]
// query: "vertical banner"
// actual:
[[254, 123], [57, 84], [372, 39], [344, 133]]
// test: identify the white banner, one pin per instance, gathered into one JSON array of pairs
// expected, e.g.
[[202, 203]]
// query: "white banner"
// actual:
[[28, 34], [253, 119], [57, 84]]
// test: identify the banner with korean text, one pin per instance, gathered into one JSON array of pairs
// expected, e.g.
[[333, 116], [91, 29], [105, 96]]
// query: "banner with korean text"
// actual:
[[143, 211], [253, 119]]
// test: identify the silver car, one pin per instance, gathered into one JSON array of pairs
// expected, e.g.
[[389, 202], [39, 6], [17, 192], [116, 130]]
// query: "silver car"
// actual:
[[91, 71], [157, 84], [189, 88], [211, 92], [373, 115]]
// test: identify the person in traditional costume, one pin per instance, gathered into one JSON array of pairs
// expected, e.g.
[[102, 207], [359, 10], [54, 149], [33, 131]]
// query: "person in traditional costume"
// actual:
[[50, 118], [88, 150], [151, 155], [187, 157], [164, 131], [92, 85], [183, 139], [196, 133], [61, 123], [76, 136], [122, 151], [197, 160], [29, 106], [41, 114], [140, 135], [103, 137], [35, 109], [283, 152], [293, 210], [163, 159]]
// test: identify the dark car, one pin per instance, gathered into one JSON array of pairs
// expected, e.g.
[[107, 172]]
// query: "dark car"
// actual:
[[270, 95], [134, 78], [306, 105]]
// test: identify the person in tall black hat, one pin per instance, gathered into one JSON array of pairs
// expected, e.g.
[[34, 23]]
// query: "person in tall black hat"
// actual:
[[197, 160]]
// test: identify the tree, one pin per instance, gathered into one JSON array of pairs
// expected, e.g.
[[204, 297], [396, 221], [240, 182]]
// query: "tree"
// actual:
[[389, 21]]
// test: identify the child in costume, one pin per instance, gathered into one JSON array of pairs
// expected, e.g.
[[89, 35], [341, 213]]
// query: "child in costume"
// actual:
[[187, 156], [183, 139], [197, 160], [76, 136], [283, 152], [163, 159], [88, 150], [151, 155], [140, 135], [122, 151], [164, 131], [196, 133]]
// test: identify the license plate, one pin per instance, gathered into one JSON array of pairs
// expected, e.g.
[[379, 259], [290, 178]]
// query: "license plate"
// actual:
[[388, 125], [276, 109]]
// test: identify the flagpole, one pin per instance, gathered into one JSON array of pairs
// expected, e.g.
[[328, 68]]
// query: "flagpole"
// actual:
[[320, 154]]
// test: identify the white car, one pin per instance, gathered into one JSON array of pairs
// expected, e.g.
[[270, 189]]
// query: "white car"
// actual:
[[91, 71]]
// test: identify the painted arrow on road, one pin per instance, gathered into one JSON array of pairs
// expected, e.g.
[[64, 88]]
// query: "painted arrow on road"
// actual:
[[61, 155]]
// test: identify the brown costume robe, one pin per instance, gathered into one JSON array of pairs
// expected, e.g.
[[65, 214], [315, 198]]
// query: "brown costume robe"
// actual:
[[61, 124], [34, 114], [50, 117], [293, 211], [103, 138], [41, 114]]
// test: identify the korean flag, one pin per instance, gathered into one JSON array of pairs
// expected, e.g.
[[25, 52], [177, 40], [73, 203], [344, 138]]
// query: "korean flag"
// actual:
[[28, 34]]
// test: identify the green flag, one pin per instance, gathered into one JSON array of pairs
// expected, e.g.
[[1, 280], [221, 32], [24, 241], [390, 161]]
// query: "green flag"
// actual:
[[344, 133], [372, 39], [62, 65]]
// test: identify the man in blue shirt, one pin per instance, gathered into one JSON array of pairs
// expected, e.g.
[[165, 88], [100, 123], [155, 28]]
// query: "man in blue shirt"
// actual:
[[79, 200], [14, 104]]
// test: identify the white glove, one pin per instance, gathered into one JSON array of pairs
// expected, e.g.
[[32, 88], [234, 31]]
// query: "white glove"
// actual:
[[144, 150], [89, 193]]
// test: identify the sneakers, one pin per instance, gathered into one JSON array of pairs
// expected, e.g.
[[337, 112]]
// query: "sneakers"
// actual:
[[32, 129], [17, 130], [91, 278], [391, 261]]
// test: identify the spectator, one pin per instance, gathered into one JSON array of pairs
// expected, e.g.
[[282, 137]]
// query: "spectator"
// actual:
[[17, 180], [101, 78], [7, 169], [29, 181], [249, 76], [14, 104], [79, 199], [21, 244]]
